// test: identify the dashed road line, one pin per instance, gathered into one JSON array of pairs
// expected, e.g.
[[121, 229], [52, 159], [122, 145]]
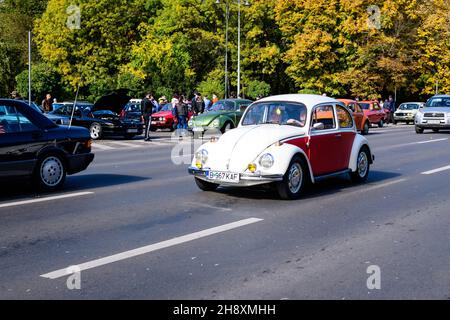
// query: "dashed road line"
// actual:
[[151, 248], [436, 170], [37, 200]]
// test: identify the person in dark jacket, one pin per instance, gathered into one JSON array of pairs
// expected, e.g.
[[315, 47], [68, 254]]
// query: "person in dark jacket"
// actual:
[[198, 104], [147, 109], [182, 111], [47, 103]]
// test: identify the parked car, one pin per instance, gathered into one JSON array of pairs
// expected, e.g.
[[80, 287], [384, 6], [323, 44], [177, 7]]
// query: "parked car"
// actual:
[[164, 119], [435, 115], [361, 120], [288, 140], [105, 118], [406, 112], [32, 146], [81, 104], [373, 112], [223, 115]]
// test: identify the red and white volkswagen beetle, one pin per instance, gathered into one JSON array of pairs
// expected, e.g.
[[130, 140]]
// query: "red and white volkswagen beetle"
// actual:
[[289, 140]]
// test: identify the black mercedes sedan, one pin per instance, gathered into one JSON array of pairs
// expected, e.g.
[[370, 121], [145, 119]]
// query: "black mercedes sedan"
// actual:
[[33, 146], [107, 117]]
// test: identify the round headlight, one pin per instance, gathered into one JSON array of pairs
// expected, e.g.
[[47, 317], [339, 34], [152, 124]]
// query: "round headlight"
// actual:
[[201, 156], [216, 123], [266, 161]]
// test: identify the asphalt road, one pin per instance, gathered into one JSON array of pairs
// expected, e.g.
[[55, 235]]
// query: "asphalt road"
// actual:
[[233, 243]]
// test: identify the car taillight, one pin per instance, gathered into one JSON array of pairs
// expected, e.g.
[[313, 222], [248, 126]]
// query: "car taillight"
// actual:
[[88, 143]]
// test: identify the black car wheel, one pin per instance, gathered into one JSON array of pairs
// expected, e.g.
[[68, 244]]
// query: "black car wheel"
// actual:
[[362, 166], [419, 130], [381, 124], [365, 130], [50, 173], [436, 130], [205, 185], [227, 127], [95, 131], [294, 180]]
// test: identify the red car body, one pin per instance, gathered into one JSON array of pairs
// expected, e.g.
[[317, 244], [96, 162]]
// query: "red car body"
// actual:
[[361, 120], [373, 112], [164, 119]]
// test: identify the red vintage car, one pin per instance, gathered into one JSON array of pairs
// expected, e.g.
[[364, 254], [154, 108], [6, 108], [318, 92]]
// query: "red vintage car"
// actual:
[[361, 120], [164, 119], [373, 112]]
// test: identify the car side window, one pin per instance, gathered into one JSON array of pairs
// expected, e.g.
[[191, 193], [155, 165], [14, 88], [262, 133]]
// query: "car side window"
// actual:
[[351, 107], [376, 106], [12, 121], [345, 119], [325, 116]]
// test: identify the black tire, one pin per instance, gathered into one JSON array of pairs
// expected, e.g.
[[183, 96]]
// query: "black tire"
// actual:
[[205, 185], [381, 123], [363, 166], [436, 130], [96, 131], [50, 172], [419, 130], [286, 189], [365, 129], [153, 129], [394, 121], [227, 126]]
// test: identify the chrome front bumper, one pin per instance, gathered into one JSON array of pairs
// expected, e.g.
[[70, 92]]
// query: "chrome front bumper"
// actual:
[[244, 178]]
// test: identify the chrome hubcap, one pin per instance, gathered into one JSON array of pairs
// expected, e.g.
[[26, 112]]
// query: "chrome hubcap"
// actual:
[[51, 171], [362, 164], [295, 178], [95, 131]]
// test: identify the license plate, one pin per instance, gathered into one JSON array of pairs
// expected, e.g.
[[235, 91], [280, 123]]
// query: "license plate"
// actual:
[[154, 122], [132, 130], [223, 176], [434, 121], [197, 129]]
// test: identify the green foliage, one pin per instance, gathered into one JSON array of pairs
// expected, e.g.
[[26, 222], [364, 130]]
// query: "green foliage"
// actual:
[[44, 79], [257, 88], [209, 87]]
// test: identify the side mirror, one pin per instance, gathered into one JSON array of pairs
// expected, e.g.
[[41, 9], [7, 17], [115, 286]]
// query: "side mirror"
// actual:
[[318, 126]]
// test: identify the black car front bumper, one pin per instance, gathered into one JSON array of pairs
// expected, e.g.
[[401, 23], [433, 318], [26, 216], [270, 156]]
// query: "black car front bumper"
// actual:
[[78, 162]]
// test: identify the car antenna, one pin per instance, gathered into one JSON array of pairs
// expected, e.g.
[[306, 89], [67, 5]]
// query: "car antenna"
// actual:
[[73, 108]]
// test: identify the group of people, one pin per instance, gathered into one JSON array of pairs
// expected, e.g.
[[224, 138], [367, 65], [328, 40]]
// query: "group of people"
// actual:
[[180, 108], [46, 105]]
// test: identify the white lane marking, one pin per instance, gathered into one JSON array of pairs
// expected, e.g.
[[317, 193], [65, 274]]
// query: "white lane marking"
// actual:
[[437, 170], [208, 206], [124, 144], [63, 196], [435, 140], [153, 247], [102, 146], [383, 185]]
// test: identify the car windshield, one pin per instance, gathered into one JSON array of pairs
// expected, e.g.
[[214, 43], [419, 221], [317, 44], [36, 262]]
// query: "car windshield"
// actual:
[[409, 106], [282, 113], [167, 107], [133, 107], [440, 102], [222, 106], [365, 106]]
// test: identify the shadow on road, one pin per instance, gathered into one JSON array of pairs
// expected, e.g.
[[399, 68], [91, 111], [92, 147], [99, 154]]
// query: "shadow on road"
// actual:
[[323, 188], [77, 183]]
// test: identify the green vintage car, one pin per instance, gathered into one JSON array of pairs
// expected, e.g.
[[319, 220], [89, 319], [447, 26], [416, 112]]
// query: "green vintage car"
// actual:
[[223, 115]]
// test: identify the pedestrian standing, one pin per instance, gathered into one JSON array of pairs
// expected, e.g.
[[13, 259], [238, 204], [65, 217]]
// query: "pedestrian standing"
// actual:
[[147, 109], [182, 111], [16, 96], [390, 104], [207, 102], [47, 103], [198, 105], [214, 99]]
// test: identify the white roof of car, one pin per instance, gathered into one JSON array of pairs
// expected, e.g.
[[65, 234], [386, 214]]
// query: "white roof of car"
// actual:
[[309, 100]]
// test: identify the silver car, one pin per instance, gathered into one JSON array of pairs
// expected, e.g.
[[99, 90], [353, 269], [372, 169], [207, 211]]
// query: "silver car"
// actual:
[[435, 115]]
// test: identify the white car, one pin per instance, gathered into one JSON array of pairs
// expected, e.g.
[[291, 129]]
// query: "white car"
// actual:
[[406, 112], [287, 140]]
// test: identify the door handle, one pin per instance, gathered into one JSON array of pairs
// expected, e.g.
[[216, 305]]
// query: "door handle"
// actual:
[[338, 135]]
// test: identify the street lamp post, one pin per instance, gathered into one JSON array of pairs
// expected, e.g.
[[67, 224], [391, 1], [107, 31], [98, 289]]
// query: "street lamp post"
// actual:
[[227, 16]]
